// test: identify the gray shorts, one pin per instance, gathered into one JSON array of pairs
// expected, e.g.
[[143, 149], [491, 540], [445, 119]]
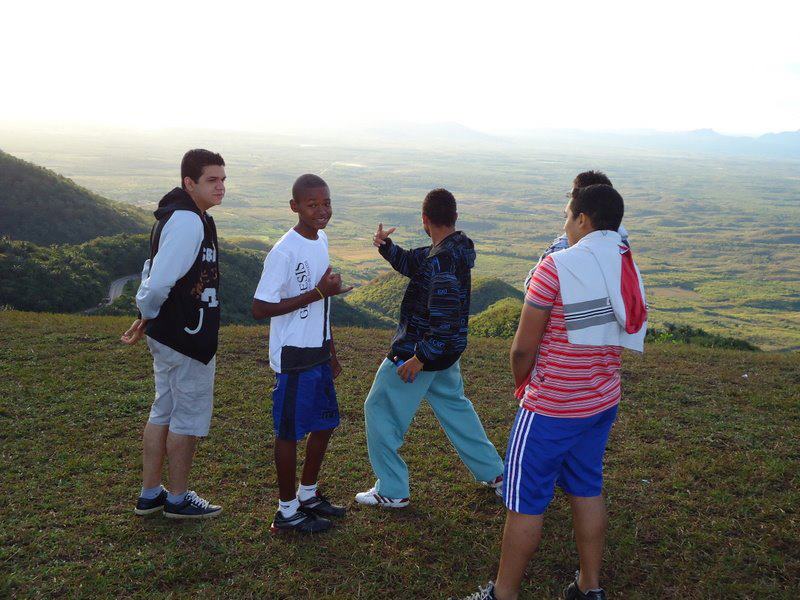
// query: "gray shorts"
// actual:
[[184, 391]]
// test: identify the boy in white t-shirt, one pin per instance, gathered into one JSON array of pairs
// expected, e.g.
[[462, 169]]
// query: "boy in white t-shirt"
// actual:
[[302, 354]]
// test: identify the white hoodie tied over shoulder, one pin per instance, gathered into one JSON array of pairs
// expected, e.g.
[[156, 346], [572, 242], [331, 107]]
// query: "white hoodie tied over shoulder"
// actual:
[[590, 277]]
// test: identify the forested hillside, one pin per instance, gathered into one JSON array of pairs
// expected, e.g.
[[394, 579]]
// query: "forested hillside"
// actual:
[[45, 208]]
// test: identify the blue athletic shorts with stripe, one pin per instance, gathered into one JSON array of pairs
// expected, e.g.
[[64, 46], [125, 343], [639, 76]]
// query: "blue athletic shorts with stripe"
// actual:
[[544, 451], [304, 401]]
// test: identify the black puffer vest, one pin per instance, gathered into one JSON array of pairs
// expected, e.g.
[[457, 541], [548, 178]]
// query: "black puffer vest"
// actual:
[[188, 321]]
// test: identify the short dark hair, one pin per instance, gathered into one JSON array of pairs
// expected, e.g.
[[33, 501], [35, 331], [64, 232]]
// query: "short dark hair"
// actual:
[[588, 178], [194, 161], [306, 182], [601, 203], [440, 207]]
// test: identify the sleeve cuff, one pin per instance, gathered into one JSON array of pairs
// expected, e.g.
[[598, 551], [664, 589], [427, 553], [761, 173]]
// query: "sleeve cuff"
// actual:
[[384, 249]]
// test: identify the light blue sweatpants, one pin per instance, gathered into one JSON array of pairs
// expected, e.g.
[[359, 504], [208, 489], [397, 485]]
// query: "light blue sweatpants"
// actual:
[[390, 407]]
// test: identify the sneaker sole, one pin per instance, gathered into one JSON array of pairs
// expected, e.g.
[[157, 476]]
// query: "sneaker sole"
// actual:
[[274, 530], [178, 516], [383, 504], [142, 512]]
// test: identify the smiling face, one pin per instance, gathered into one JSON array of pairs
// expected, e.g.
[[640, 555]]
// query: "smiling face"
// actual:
[[209, 189], [313, 208]]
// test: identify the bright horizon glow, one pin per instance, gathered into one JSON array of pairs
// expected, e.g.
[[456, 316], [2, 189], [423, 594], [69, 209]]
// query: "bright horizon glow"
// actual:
[[517, 66]]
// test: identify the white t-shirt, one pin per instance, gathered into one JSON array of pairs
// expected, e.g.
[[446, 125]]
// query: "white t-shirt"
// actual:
[[301, 339]]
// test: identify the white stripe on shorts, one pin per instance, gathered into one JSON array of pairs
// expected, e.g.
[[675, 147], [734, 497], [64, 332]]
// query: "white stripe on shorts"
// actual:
[[521, 456], [513, 455]]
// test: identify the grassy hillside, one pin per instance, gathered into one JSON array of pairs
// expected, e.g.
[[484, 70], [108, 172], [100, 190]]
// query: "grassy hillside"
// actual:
[[488, 290], [498, 320], [702, 479], [45, 208], [344, 314], [382, 295]]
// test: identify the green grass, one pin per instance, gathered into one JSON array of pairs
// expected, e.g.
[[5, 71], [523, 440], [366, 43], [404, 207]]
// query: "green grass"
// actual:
[[702, 479]]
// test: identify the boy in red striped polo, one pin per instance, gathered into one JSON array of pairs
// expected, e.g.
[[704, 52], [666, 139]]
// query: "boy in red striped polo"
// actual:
[[582, 305]]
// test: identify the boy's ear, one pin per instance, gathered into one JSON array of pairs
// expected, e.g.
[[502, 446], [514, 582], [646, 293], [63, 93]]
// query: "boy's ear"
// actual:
[[293, 204], [188, 183]]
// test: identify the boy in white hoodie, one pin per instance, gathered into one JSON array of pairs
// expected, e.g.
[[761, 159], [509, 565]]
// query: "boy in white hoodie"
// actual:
[[582, 306]]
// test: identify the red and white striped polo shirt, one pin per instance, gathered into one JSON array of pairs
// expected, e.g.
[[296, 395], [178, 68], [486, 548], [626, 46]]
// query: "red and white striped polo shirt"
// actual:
[[568, 380]]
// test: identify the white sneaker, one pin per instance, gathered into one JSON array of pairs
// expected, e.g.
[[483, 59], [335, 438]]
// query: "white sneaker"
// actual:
[[496, 484], [372, 498]]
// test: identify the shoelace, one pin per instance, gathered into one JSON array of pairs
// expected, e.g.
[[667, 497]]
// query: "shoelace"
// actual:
[[197, 501]]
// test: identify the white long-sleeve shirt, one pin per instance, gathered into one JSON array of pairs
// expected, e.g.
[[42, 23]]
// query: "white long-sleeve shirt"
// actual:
[[178, 247]]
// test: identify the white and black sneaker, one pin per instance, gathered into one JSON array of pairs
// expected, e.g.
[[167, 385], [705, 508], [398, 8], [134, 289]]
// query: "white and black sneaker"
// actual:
[[192, 507], [301, 522], [486, 593], [372, 498]]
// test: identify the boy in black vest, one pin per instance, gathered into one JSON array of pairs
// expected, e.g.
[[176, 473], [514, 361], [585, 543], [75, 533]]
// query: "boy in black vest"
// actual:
[[179, 313]]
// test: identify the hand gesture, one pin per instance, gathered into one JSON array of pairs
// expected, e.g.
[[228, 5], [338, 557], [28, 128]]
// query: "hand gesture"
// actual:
[[331, 284], [134, 333], [379, 239]]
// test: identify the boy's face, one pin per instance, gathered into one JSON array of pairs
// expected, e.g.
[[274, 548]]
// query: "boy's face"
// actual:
[[209, 189], [576, 226], [313, 208]]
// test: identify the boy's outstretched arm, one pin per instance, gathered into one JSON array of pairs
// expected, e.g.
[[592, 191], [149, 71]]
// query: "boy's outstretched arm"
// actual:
[[329, 285], [405, 262]]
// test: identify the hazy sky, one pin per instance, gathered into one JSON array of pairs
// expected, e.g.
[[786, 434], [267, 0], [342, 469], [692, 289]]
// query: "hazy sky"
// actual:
[[498, 66]]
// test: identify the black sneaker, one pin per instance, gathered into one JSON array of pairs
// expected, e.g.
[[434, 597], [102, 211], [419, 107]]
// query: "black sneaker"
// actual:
[[486, 593], [192, 507], [319, 505], [148, 506], [300, 522], [573, 592]]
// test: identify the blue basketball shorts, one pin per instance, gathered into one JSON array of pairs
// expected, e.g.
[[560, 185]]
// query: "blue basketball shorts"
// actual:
[[544, 451], [304, 401]]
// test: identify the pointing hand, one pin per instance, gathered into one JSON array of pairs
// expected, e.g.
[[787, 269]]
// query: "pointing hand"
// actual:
[[379, 239]]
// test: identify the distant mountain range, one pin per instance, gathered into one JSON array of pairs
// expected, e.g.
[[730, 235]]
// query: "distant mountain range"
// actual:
[[704, 141]]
